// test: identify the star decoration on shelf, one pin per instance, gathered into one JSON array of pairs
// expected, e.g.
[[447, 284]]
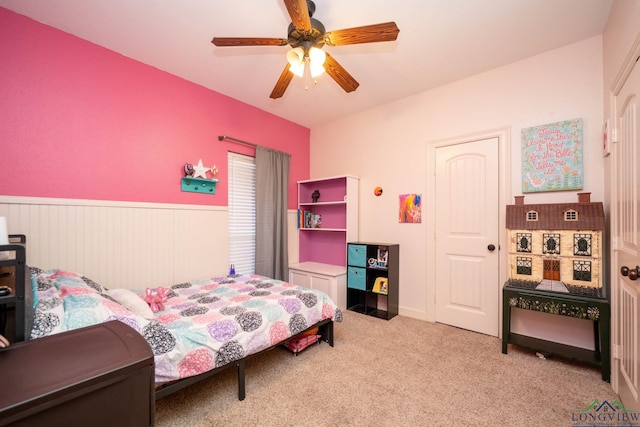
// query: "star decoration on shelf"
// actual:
[[200, 170]]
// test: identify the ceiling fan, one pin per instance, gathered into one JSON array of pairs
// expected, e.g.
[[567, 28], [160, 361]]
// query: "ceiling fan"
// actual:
[[306, 36]]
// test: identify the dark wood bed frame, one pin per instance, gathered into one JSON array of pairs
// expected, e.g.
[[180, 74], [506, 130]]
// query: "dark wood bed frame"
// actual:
[[325, 327]]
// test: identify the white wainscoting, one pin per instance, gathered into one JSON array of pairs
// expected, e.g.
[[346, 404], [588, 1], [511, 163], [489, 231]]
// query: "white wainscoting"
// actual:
[[122, 244], [292, 234]]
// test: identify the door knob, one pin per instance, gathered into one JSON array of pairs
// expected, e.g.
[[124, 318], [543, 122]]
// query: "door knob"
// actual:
[[632, 273], [491, 248]]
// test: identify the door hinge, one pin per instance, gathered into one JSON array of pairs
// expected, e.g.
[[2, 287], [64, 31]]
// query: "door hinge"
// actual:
[[616, 350], [614, 135]]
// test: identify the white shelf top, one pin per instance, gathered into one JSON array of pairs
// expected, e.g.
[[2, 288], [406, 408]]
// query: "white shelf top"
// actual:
[[337, 202], [327, 178], [321, 229], [320, 268]]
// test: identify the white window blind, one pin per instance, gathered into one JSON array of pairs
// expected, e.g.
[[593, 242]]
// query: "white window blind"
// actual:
[[242, 213]]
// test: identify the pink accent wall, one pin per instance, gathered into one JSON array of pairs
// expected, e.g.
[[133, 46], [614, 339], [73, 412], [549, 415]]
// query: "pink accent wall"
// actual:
[[80, 121]]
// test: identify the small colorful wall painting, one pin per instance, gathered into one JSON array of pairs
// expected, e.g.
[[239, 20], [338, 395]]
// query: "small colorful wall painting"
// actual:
[[410, 208], [552, 157]]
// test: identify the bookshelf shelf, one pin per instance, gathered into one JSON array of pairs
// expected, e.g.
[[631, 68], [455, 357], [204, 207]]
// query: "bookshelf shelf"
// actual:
[[323, 203], [322, 229]]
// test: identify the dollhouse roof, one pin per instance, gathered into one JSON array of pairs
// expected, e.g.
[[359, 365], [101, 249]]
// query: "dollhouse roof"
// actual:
[[551, 216]]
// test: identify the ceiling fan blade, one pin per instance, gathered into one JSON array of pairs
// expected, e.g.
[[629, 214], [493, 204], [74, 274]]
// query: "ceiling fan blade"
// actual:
[[385, 32], [248, 41], [282, 83], [340, 75], [299, 14]]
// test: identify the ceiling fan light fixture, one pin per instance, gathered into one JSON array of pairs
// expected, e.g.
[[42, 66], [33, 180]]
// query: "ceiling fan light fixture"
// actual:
[[316, 61], [295, 57], [298, 59], [317, 56], [297, 69], [316, 69], [306, 36]]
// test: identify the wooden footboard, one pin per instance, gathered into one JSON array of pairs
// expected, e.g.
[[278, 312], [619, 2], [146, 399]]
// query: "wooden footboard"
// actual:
[[325, 329]]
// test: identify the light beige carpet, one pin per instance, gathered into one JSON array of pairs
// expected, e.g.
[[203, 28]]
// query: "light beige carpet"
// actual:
[[402, 372]]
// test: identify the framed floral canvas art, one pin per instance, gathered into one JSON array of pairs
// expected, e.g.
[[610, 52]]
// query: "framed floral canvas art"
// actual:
[[552, 157]]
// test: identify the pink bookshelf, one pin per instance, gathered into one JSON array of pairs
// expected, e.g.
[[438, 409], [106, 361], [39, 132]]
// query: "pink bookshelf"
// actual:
[[324, 238]]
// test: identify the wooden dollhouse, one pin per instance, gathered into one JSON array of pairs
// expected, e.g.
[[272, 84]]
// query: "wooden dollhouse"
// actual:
[[557, 247]]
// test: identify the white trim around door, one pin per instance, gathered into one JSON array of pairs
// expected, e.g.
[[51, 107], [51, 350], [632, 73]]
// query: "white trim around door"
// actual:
[[504, 191]]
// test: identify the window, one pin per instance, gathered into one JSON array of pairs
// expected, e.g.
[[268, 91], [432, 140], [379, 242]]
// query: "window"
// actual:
[[550, 243], [532, 216], [571, 215], [582, 244], [524, 242], [523, 265], [242, 213], [582, 270]]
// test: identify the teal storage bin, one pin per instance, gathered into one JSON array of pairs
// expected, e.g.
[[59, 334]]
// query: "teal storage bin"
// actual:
[[357, 255], [357, 278]]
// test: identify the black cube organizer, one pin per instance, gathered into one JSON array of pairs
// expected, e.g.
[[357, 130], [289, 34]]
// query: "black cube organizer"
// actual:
[[373, 279]]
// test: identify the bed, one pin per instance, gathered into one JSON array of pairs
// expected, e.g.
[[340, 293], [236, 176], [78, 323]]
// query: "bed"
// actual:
[[204, 326]]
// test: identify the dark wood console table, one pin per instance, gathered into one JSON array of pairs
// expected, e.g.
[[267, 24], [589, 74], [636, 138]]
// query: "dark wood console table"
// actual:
[[597, 310]]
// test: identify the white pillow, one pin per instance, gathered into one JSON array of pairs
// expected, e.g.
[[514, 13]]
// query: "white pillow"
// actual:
[[132, 302]]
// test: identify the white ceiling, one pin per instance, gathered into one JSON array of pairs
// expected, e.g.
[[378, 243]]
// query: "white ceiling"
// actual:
[[440, 41]]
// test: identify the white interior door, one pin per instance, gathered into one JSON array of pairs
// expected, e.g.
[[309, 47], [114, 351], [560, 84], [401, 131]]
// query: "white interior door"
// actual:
[[626, 238], [466, 237]]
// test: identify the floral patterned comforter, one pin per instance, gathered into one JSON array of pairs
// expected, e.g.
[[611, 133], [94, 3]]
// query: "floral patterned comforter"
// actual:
[[204, 324]]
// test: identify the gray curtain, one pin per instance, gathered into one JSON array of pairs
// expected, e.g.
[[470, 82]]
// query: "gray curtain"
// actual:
[[272, 189]]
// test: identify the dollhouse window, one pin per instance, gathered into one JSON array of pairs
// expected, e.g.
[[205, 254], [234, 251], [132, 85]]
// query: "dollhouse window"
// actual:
[[582, 270], [524, 242], [532, 216], [523, 265], [582, 244], [571, 215], [550, 243]]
